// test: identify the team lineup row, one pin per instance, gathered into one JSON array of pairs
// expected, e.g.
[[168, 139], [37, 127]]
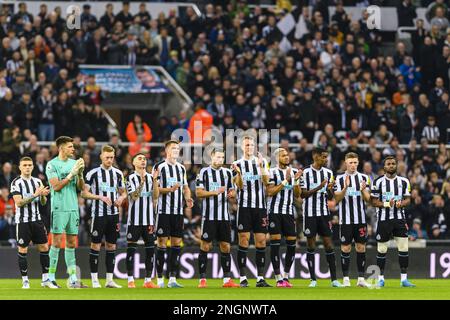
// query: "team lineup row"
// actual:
[[265, 197]]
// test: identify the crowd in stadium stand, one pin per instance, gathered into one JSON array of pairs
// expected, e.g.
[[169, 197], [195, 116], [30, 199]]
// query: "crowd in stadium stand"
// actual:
[[335, 79]]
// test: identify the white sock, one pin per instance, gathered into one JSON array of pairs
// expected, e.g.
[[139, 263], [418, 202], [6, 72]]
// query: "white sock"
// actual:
[[259, 278], [24, 278], [403, 276], [243, 278], [285, 275], [130, 278], [109, 277], [225, 280], [346, 279], [380, 277], [278, 277], [44, 277], [161, 280], [361, 279], [172, 279], [94, 277], [147, 279]]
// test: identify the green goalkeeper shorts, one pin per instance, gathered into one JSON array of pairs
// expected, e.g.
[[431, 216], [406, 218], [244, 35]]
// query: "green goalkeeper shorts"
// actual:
[[65, 222]]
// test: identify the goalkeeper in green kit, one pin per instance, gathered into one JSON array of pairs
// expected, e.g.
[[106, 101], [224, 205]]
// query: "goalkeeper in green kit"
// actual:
[[65, 176]]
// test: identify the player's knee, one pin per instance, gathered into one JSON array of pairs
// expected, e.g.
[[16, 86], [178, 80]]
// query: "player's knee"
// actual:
[[175, 241], [109, 246], [243, 240], [43, 247], [162, 242], [402, 243], [205, 246], [224, 247], [346, 248], [382, 247], [96, 246], [23, 249], [360, 247], [276, 237]]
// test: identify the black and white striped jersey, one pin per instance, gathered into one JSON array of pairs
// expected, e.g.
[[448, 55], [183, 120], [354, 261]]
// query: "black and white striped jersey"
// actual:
[[283, 201], [386, 189], [215, 208], [105, 182], [352, 208], [253, 193], [169, 175], [26, 188], [317, 204], [431, 133], [140, 211]]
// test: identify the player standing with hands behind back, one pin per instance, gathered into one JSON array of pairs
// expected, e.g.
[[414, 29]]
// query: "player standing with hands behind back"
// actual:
[[65, 176]]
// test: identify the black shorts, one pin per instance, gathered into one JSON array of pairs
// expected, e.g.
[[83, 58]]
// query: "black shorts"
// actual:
[[218, 230], [391, 228], [31, 231], [350, 232], [134, 233], [107, 226], [252, 219], [321, 226], [169, 225], [283, 224]]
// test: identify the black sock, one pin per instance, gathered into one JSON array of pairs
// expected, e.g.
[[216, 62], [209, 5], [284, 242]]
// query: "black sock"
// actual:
[[45, 261], [242, 260], [345, 262], [174, 255], [290, 255], [261, 261], [93, 260], [131, 250], [23, 264], [275, 255], [225, 261], [311, 263], [110, 260], [381, 261], [160, 258], [331, 259], [361, 263], [149, 259], [403, 257], [202, 263]]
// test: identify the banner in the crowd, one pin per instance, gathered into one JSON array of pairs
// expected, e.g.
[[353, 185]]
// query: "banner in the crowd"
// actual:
[[126, 79], [426, 263]]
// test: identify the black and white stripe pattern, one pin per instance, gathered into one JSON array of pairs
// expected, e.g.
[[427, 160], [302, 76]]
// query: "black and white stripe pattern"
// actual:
[[140, 211], [292, 26], [215, 208], [316, 205], [352, 208], [431, 133], [26, 188], [169, 175], [283, 201], [252, 194], [104, 182], [385, 189]]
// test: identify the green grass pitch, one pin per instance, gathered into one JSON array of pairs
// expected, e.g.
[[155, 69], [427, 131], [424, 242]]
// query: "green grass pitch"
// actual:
[[10, 289]]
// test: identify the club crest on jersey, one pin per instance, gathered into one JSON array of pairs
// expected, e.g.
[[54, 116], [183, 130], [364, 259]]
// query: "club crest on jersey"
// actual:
[[307, 231], [95, 233], [378, 237], [160, 231], [20, 241], [129, 236], [343, 239], [272, 224], [205, 235], [240, 227]]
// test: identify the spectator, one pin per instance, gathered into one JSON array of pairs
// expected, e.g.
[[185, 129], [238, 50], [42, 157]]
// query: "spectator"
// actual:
[[431, 131], [139, 146], [136, 127], [406, 13], [438, 218]]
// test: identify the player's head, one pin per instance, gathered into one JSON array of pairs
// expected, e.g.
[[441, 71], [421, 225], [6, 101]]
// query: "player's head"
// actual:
[[282, 156], [65, 146], [139, 161], [26, 166], [172, 148], [320, 156], [217, 157], [248, 146], [107, 156], [390, 165], [351, 162]]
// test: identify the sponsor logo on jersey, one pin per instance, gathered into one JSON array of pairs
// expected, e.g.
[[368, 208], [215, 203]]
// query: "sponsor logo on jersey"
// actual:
[[378, 237], [272, 224], [160, 231]]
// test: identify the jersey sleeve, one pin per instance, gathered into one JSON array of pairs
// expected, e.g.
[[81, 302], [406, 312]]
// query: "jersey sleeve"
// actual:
[[121, 181], [199, 181], [303, 180], [90, 177], [272, 178], [184, 178], [374, 190], [15, 189], [50, 171], [407, 192], [337, 185], [230, 184], [131, 184]]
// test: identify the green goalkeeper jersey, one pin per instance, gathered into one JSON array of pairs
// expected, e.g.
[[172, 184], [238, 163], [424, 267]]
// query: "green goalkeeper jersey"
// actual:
[[66, 199]]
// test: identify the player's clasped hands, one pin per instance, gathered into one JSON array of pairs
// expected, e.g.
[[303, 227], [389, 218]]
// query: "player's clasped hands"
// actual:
[[221, 190], [41, 191], [363, 185], [106, 200]]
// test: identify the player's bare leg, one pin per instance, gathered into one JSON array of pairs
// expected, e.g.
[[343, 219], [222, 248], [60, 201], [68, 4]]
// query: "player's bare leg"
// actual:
[[160, 259], [110, 263], [174, 256], [225, 261], [361, 263], [331, 259], [244, 238], [260, 243], [205, 247]]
